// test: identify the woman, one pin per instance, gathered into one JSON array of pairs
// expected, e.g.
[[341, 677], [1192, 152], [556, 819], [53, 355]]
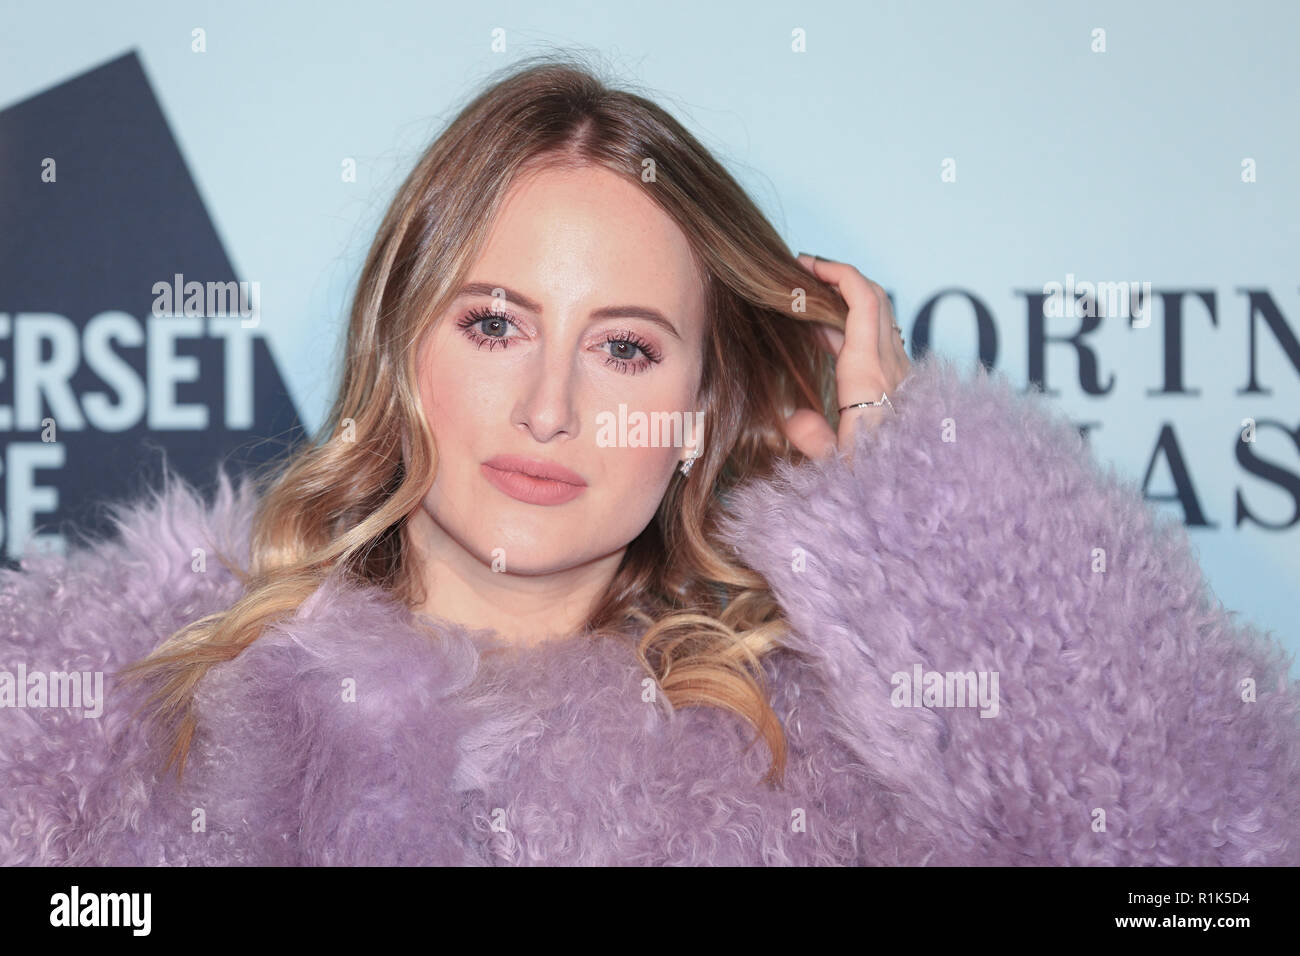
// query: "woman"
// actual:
[[487, 617]]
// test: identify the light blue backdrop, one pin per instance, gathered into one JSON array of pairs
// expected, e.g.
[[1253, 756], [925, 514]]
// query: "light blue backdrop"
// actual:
[[1116, 165]]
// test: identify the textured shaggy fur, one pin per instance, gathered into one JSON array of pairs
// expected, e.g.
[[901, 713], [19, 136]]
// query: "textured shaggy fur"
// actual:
[[1119, 691]]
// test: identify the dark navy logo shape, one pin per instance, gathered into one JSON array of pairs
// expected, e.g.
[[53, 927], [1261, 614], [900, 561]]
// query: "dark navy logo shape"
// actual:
[[98, 212]]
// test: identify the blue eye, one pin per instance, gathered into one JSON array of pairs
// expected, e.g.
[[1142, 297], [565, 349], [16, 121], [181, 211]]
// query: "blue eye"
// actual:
[[634, 343], [495, 321]]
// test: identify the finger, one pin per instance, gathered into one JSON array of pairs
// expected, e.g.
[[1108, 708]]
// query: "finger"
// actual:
[[805, 260], [889, 336], [810, 433], [861, 332], [892, 347], [809, 262], [894, 356], [892, 362], [900, 349], [831, 338]]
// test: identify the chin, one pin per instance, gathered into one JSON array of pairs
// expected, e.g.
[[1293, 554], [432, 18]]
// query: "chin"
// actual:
[[532, 557], [523, 539]]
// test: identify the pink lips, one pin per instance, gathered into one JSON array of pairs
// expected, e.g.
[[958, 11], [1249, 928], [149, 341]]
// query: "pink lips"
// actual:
[[533, 481]]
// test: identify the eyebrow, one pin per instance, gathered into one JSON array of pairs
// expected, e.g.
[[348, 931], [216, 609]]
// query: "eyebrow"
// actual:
[[608, 312]]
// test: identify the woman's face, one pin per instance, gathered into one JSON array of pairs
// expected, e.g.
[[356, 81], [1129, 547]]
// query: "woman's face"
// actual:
[[597, 305]]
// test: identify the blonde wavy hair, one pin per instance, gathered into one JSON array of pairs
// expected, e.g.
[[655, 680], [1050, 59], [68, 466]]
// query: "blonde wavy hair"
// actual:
[[341, 507]]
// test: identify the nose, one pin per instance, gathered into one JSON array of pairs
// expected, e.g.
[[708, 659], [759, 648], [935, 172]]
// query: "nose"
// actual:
[[546, 407]]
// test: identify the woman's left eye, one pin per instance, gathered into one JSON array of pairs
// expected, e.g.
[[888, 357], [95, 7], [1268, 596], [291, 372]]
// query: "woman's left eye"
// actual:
[[623, 349]]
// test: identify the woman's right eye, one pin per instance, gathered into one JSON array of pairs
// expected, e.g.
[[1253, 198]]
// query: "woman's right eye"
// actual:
[[485, 327]]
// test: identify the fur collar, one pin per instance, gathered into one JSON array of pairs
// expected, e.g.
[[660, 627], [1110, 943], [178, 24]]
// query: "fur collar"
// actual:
[[356, 732]]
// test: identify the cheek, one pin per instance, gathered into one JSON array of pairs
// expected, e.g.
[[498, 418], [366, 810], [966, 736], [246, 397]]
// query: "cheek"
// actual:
[[456, 404], [643, 473], [461, 409], [638, 472]]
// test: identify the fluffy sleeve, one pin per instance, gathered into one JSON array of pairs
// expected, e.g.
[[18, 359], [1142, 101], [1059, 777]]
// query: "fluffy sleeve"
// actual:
[[73, 772], [1133, 721]]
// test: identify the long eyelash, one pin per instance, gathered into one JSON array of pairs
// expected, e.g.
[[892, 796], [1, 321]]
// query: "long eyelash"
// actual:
[[632, 366], [473, 317]]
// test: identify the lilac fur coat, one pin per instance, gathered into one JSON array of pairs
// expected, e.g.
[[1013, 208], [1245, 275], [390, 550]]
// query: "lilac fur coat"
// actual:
[[1123, 729]]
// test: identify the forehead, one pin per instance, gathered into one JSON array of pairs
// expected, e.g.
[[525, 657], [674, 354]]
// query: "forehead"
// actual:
[[587, 237]]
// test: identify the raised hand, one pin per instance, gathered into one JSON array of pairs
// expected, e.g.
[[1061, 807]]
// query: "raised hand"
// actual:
[[869, 359]]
